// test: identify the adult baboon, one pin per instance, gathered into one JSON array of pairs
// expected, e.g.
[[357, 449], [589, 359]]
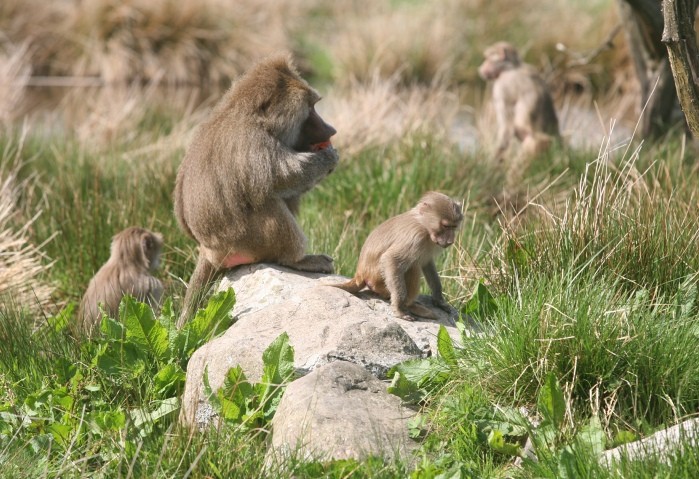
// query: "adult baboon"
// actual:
[[239, 185], [523, 106]]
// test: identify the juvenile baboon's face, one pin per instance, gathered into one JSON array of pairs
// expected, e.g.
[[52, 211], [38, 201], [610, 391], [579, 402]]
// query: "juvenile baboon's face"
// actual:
[[441, 216]]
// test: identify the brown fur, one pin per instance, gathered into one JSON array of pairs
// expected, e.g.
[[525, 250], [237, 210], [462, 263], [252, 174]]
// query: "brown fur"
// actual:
[[400, 250], [523, 106], [239, 185], [135, 254]]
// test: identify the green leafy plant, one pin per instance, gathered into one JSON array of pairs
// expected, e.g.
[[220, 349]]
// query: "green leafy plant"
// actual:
[[137, 361], [250, 405], [141, 345]]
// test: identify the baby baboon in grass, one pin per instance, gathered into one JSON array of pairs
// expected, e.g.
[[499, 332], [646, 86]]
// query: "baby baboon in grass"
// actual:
[[241, 180], [523, 107], [135, 255], [399, 251]]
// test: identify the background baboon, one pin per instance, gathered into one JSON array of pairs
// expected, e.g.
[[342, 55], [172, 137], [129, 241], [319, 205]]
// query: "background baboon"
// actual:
[[401, 249], [239, 185], [135, 254], [523, 105]]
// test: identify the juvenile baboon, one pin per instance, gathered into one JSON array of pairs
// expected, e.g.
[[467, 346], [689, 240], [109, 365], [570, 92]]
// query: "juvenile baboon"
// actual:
[[523, 105], [239, 185], [401, 249], [135, 255]]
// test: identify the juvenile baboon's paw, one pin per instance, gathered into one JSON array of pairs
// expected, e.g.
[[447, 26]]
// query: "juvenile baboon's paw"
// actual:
[[443, 305], [403, 315]]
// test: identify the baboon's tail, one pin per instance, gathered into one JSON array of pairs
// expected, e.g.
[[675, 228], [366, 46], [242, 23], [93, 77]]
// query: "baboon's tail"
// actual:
[[353, 286]]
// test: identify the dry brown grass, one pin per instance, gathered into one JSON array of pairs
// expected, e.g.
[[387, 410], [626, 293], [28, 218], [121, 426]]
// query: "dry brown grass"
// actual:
[[21, 263], [199, 41], [379, 112], [184, 41], [375, 52], [14, 73], [411, 43], [423, 40]]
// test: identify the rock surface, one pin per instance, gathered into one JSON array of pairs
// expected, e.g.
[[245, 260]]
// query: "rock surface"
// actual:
[[340, 411], [324, 324], [662, 444]]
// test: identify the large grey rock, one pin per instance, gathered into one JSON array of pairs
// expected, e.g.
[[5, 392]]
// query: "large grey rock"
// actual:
[[324, 324], [663, 444], [340, 411], [259, 286]]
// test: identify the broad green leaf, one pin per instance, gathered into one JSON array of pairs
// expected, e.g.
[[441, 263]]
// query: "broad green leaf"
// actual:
[[60, 321], [208, 323], [110, 420], [506, 428], [118, 357], [551, 402], [210, 395], [410, 378], [60, 432], [215, 318], [235, 384], [278, 360], [167, 315], [234, 395], [481, 304], [567, 468], [454, 472], [67, 370], [405, 389], [544, 440], [445, 346], [624, 437], [231, 400], [61, 398], [592, 436], [278, 369], [418, 426], [144, 419], [141, 327], [112, 329], [496, 441], [168, 380]]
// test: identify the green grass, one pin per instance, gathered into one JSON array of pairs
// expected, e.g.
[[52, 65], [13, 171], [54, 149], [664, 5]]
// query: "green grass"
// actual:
[[594, 285]]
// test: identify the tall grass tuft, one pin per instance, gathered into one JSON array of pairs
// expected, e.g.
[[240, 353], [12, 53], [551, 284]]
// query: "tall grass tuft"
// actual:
[[620, 224], [22, 264], [602, 292]]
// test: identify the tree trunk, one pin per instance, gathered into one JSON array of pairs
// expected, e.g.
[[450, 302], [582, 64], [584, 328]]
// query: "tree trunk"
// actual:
[[680, 39], [643, 23]]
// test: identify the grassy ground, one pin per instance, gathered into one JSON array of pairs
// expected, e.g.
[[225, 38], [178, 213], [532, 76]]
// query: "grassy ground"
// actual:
[[588, 296]]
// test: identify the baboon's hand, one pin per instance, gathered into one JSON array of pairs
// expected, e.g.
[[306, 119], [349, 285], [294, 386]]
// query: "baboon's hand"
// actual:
[[327, 159]]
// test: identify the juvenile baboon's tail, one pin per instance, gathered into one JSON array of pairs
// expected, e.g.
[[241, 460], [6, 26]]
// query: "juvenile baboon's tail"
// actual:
[[353, 286]]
